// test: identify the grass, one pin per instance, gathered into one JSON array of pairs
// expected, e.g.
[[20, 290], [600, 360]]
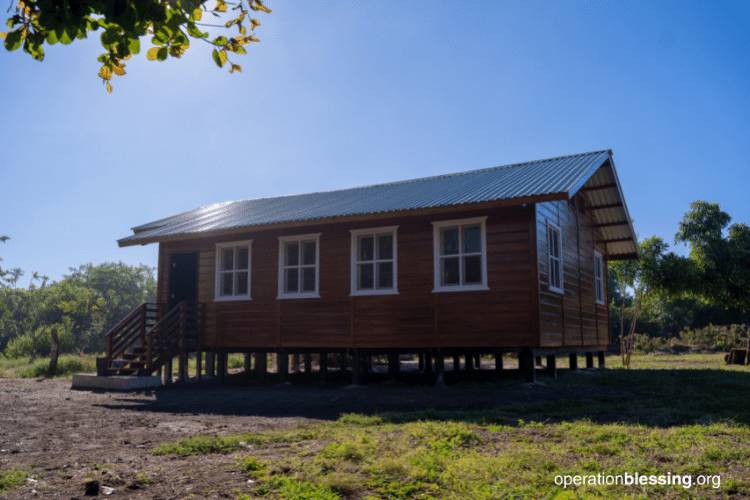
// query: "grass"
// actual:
[[67, 366], [679, 417], [11, 479]]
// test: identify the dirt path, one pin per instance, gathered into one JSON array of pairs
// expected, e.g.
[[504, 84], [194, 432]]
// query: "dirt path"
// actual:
[[65, 436]]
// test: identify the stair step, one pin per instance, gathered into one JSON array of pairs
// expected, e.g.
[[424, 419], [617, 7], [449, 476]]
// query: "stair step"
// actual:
[[123, 371], [132, 357], [139, 350]]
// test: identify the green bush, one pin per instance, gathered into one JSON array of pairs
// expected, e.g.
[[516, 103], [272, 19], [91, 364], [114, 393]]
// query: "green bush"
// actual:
[[22, 345], [67, 365], [718, 338]]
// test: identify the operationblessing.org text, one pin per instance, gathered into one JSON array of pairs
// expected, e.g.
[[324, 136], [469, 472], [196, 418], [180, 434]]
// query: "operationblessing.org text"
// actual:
[[668, 479]]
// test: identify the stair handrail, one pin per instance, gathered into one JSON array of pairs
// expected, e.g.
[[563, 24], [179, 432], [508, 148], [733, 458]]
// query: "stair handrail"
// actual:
[[168, 332], [130, 329]]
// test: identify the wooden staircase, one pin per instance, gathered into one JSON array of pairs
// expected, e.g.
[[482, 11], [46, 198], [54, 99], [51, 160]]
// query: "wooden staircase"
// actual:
[[145, 340]]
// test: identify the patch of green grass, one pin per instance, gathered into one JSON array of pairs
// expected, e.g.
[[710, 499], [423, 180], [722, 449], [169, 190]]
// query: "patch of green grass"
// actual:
[[656, 422], [67, 366], [11, 479]]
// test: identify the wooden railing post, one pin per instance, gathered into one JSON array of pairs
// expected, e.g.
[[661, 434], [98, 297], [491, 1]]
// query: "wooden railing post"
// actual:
[[144, 310], [109, 347], [149, 341]]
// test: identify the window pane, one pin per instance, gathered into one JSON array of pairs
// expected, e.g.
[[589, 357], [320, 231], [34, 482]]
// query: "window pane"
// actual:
[[366, 251], [308, 251], [385, 275], [450, 271], [450, 241], [472, 241], [226, 284], [292, 254], [385, 247], [308, 279], [554, 277], [241, 284], [291, 280], [365, 276], [243, 255], [227, 259], [472, 269]]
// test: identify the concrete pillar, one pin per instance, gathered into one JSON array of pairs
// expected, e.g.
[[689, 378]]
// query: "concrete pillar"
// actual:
[[393, 364], [282, 366], [526, 362], [573, 361], [323, 365], [439, 369], [456, 363], [248, 362], [552, 366], [210, 366], [601, 359], [589, 359], [499, 362], [261, 365], [168, 372], [222, 368], [357, 363], [308, 362], [469, 363], [428, 362]]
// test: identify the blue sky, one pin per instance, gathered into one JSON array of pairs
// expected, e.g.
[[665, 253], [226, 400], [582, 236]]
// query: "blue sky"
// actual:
[[342, 94]]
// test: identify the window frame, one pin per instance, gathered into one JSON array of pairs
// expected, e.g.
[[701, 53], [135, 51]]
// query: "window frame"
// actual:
[[354, 261], [283, 240], [437, 226], [599, 280], [217, 280], [561, 288]]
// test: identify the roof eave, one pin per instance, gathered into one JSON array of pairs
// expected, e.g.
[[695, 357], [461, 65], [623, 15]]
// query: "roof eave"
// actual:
[[507, 202]]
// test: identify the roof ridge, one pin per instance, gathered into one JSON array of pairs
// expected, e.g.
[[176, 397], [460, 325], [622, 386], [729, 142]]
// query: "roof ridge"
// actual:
[[419, 179]]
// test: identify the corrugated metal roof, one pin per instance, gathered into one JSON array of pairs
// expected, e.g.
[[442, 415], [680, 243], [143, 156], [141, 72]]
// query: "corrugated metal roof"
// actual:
[[563, 175]]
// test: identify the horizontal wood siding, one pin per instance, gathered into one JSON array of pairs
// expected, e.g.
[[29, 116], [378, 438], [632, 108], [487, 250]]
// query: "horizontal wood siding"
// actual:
[[572, 318], [504, 316]]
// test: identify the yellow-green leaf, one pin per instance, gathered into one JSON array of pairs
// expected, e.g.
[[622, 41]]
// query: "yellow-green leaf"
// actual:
[[197, 14], [151, 54], [109, 88], [254, 23], [223, 57], [117, 70], [236, 67], [4, 34], [243, 31], [105, 73]]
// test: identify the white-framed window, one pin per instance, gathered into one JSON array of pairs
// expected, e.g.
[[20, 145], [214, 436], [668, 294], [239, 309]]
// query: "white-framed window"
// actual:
[[233, 270], [299, 266], [374, 263], [599, 277], [554, 250], [460, 255]]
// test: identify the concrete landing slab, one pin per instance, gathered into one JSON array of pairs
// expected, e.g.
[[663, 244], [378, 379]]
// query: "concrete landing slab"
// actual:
[[114, 382]]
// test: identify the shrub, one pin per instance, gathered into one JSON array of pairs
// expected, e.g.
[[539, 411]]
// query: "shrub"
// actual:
[[719, 338], [23, 345]]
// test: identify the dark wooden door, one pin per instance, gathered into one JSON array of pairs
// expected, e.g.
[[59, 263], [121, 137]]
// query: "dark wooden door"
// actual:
[[183, 278]]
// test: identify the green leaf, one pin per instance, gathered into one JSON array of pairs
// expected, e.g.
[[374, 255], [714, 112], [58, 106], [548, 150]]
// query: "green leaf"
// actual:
[[14, 40], [217, 58], [220, 41], [51, 37], [102, 58], [65, 38], [134, 45], [109, 38], [238, 49], [180, 38], [162, 54]]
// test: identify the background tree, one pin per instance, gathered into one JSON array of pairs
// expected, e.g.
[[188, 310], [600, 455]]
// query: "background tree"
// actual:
[[720, 270], [171, 22], [656, 270]]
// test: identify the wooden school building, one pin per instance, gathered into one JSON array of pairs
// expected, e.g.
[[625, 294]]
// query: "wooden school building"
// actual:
[[504, 259]]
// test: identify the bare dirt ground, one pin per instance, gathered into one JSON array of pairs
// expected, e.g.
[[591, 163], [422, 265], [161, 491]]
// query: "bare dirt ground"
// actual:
[[62, 436]]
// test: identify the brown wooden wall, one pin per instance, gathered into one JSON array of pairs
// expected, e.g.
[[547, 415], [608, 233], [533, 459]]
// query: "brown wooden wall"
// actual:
[[572, 318], [504, 316]]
